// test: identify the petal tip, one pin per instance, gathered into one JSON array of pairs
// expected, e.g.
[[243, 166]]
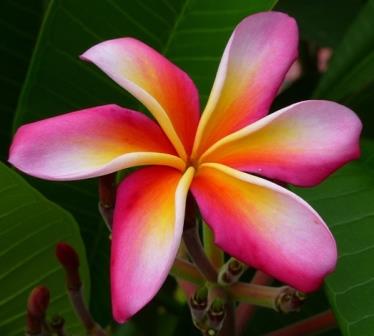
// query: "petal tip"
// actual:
[[318, 275], [14, 150], [91, 53], [120, 316]]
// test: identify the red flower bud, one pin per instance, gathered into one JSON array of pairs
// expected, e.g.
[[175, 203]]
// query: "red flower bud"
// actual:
[[38, 301], [37, 305], [69, 260]]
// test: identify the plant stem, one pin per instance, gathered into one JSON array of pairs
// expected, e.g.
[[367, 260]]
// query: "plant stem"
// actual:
[[245, 311], [284, 299], [57, 325], [107, 190], [76, 299], [107, 198], [84, 315], [193, 243], [69, 260], [107, 215], [185, 270], [318, 323], [214, 254], [258, 295], [228, 328]]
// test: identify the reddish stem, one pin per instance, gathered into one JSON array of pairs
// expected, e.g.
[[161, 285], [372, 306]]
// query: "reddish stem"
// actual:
[[318, 323], [107, 190], [193, 243], [228, 328], [69, 260], [107, 198]]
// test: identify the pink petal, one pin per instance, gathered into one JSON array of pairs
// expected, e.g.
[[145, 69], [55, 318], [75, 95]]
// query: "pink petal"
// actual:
[[301, 144], [91, 142], [265, 226], [163, 88], [253, 66], [148, 224]]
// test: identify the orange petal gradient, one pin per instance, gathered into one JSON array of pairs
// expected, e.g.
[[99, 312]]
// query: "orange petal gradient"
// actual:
[[162, 87], [301, 144], [265, 226], [91, 142], [148, 225], [256, 59]]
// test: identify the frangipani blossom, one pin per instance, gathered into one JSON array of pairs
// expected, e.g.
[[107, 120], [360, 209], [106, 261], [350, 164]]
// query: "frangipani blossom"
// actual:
[[214, 156]]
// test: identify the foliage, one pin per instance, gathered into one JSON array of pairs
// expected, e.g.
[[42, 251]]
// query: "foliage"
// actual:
[[30, 227]]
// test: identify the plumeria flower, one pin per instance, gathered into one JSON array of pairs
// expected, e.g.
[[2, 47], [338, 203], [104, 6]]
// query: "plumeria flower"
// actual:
[[218, 156]]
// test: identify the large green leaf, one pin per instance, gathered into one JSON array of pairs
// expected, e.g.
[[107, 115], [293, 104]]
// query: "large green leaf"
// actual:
[[322, 22], [350, 77], [19, 24], [30, 226], [346, 202], [191, 33]]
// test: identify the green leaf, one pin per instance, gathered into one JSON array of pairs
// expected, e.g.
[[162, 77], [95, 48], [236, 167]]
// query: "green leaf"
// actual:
[[349, 78], [191, 33], [30, 226], [345, 201], [322, 22], [19, 24]]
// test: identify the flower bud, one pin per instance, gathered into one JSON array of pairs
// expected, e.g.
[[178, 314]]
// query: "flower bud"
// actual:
[[230, 272], [37, 305], [290, 300], [198, 304], [216, 316], [69, 260]]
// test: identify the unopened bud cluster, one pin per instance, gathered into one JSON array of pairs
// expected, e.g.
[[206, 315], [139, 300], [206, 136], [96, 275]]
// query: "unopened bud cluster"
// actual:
[[207, 316], [231, 272]]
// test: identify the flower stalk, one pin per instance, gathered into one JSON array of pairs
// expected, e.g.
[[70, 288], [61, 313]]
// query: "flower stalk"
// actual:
[[185, 270], [107, 198], [107, 190], [212, 251], [58, 325], [193, 243], [228, 328], [69, 260], [282, 299]]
